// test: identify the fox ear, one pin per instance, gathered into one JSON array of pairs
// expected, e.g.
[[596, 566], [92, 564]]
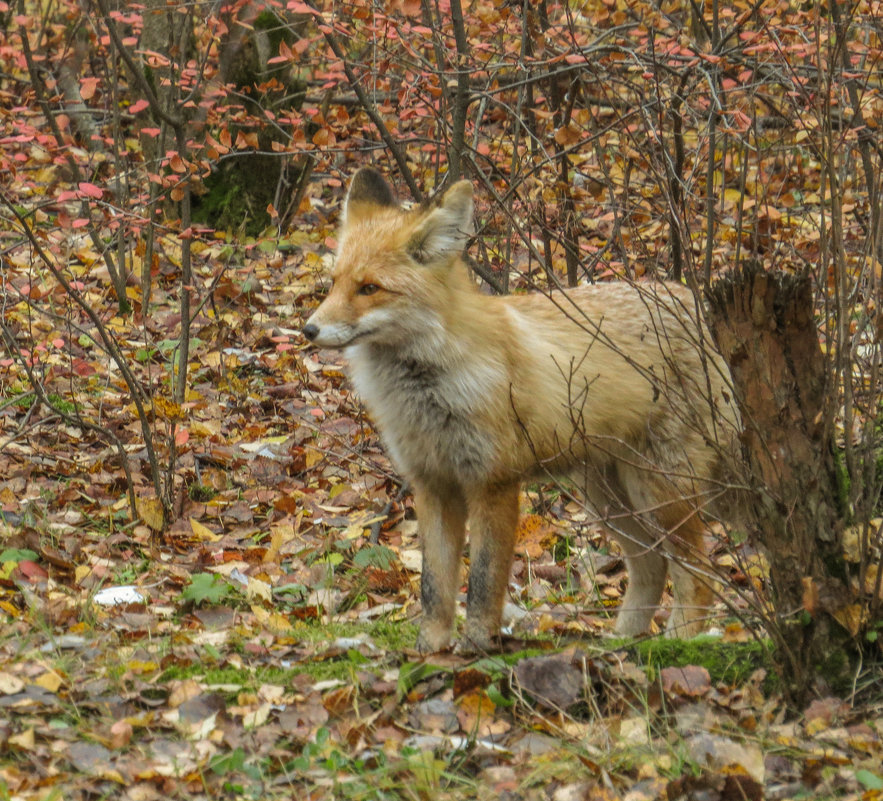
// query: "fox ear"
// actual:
[[445, 231], [367, 191]]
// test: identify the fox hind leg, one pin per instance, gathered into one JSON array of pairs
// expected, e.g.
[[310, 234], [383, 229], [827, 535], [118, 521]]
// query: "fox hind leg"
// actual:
[[652, 553], [692, 588], [647, 570]]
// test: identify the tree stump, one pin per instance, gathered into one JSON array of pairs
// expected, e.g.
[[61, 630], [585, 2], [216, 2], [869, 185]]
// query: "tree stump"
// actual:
[[764, 325]]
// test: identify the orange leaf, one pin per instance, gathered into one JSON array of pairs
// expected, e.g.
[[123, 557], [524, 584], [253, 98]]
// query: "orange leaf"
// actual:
[[568, 135], [182, 435], [533, 536], [324, 138]]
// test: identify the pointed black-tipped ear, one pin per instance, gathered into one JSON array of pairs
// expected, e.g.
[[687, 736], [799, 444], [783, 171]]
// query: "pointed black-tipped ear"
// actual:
[[367, 191], [446, 230]]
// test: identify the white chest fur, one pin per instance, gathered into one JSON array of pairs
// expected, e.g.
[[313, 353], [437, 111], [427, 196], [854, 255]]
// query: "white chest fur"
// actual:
[[431, 415]]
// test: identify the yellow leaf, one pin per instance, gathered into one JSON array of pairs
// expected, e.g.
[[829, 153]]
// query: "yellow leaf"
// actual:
[[141, 666], [337, 489], [183, 691], [273, 621], [282, 533], [732, 196], [50, 680], [166, 409], [150, 511], [257, 717], [547, 623], [355, 530], [312, 457], [11, 609], [850, 617], [25, 740], [212, 359], [871, 581], [854, 542], [207, 428], [203, 533], [258, 589], [534, 535]]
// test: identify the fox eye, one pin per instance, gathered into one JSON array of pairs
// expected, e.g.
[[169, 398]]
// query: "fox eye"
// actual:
[[368, 289]]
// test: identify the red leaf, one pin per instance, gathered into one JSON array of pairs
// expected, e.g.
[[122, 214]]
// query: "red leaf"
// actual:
[[90, 190], [82, 368], [88, 87], [299, 7], [32, 571]]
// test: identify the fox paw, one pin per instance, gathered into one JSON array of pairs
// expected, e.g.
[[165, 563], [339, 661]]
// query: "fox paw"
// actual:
[[431, 639], [477, 642]]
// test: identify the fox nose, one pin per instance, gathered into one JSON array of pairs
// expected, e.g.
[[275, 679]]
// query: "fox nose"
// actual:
[[311, 331]]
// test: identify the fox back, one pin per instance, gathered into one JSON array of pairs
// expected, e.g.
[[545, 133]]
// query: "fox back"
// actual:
[[613, 385]]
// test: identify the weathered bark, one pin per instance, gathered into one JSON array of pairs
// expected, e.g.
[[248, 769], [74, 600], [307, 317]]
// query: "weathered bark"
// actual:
[[243, 185], [168, 32], [765, 328]]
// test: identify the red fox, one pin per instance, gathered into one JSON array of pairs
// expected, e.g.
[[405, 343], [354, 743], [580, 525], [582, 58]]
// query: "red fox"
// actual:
[[610, 385]]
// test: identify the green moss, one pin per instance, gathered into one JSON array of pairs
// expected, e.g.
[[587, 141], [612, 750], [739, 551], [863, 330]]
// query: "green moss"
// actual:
[[277, 32], [26, 400], [731, 663], [239, 191], [200, 493], [243, 185], [837, 669]]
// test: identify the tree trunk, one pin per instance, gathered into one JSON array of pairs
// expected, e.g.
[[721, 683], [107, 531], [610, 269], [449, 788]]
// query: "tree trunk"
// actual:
[[765, 328]]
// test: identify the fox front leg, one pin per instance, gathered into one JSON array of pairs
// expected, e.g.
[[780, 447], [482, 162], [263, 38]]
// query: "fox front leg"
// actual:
[[493, 523], [442, 520]]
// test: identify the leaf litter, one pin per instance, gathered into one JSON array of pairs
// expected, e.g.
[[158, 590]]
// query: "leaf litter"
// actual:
[[264, 648]]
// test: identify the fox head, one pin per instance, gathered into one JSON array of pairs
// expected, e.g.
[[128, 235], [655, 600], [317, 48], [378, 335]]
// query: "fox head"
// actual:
[[395, 269]]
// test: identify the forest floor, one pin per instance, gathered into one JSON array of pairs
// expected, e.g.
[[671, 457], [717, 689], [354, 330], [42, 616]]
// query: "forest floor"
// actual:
[[263, 646]]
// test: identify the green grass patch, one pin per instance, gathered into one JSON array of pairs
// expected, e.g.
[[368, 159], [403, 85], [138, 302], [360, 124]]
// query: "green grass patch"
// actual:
[[388, 635]]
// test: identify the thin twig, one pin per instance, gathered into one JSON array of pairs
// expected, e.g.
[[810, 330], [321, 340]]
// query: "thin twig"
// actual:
[[377, 525]]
